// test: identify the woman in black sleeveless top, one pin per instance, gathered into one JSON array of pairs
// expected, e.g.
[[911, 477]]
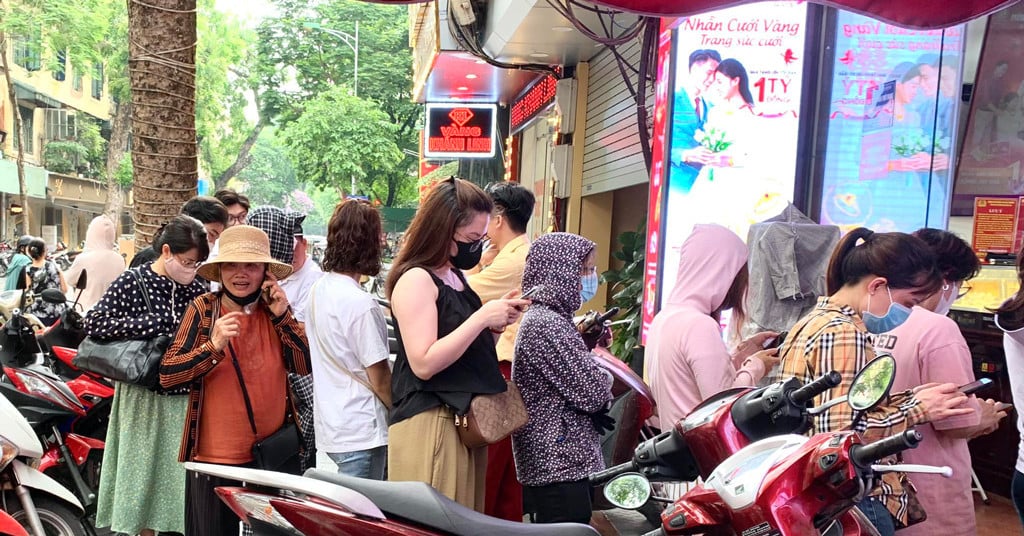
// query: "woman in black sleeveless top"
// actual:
[[446, 343]]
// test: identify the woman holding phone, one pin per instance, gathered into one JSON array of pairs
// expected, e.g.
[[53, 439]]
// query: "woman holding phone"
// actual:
[[233, 351], [446, 339]]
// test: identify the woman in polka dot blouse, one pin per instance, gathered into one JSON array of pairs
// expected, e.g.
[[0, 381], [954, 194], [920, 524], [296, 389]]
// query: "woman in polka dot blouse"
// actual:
[[142, 485]]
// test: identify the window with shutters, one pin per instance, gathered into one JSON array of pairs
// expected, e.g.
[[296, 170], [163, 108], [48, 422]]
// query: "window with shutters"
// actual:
[[97, 81], [61, 70], [27, 133], [27, 53], [60, 124]]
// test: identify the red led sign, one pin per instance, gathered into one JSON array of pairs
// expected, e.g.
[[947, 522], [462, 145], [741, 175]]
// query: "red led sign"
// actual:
[[465, 131], [532, 103]]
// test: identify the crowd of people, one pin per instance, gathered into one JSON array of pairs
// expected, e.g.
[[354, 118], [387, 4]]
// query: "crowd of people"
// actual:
[[251, 319]]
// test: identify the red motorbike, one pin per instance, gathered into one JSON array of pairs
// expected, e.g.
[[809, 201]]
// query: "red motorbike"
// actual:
[[9, 526], [788, 485]]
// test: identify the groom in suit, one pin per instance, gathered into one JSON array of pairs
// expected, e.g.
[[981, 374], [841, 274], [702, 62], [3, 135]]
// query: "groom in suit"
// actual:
[[689, 113]]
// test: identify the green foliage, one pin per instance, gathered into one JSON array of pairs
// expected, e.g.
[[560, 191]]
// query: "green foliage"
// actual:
[[77, 27], [89, 136], [339, 136], [627, 285], [125, 172], [270, 176], [297, 64], [63, 156]]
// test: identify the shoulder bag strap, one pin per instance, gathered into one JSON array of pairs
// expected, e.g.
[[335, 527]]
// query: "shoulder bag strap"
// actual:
[[245, 392], [323, 347], [145, 293]]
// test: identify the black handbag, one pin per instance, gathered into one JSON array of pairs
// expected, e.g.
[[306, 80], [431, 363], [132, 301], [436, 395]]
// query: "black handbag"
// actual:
[[280, 451], [130, 361]]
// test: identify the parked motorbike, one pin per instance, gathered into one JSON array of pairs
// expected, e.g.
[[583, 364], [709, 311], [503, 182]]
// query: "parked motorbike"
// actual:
[[789, 484], [10, 526], [325, 503], [30, 497]]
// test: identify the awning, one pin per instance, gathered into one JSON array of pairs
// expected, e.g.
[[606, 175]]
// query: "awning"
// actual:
[[925, 14]]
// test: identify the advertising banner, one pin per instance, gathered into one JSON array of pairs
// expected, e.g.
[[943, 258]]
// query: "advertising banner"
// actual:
[[734, 127], [464, 131], [892, 123], [990, 163]]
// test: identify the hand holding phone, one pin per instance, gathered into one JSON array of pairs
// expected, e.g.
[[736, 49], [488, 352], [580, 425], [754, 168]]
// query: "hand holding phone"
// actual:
[[975, 386], [532, 292], [777, 341], [1004, 406]]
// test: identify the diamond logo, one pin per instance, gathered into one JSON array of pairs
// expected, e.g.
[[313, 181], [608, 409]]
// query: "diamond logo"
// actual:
[[461, 116]]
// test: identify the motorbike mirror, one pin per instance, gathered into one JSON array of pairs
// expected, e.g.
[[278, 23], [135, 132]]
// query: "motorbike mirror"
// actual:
[[629, 491], [52, 295], [871, 385], [82, 279]]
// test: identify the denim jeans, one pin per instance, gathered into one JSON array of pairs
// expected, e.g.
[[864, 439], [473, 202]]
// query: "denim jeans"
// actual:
[[879, 515], [370, 463], [1017, 491]]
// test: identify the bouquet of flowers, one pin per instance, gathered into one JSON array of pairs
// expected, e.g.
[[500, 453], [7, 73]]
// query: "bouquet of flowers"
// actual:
[[713, 140]]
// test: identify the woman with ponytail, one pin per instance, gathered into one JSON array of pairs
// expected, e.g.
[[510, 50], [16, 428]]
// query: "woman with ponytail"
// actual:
[[873, 280]]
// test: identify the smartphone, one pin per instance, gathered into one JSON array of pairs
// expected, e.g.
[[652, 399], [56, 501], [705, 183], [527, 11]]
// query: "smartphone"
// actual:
[[266, 295], [777, 341], [971, 388], [1003, 406], [530, 293]]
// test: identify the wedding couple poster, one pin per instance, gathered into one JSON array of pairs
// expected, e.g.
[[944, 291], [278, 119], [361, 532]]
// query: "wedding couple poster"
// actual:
[[891, 125], [734, 125], [990, 163]]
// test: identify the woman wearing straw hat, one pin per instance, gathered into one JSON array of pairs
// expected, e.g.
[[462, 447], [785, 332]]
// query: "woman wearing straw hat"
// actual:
[[249, 323]]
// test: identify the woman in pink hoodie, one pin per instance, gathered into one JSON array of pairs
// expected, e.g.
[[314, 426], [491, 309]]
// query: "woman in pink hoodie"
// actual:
[[686, 359]]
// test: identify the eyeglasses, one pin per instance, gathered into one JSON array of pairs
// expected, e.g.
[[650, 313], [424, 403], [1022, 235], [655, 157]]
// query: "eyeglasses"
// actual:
[[190, 265], [238, 219]]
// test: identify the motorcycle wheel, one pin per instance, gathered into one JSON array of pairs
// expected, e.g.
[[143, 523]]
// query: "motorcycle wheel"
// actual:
[[57, 519]]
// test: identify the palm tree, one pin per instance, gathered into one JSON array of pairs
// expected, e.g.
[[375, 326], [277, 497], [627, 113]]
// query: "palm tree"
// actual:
[[161, 60]]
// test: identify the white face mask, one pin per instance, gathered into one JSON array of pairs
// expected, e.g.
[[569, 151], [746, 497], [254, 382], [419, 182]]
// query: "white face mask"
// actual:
[[946, 301]]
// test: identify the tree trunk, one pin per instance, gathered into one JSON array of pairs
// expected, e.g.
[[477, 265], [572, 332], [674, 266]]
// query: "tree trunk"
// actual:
[[26, 214], [161, 65], [243, 159], [120, 129]]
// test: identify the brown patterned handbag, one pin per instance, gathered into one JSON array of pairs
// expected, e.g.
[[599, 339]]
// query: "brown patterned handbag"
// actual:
[[492, 418]]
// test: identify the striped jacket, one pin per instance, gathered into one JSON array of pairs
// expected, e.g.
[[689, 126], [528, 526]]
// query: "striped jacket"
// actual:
[[191, 355], [833, 337]]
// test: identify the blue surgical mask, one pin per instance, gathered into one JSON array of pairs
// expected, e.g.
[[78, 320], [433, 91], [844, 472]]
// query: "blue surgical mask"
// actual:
[[896, 315], [589, 289]]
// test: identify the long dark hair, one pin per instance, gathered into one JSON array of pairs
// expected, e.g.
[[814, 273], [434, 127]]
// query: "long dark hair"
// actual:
[[734, 69], [450, 204], [353, 239], [1011, 312], [905, 261]]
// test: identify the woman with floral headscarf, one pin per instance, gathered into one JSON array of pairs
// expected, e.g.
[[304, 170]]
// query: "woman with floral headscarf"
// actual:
[[565, 392]]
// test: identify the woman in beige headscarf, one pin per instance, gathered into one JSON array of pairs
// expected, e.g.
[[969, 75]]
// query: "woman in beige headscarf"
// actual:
[[98, 259]]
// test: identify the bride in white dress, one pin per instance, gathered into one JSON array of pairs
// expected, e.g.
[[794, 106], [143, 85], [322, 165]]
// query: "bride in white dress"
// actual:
[[732, 185]]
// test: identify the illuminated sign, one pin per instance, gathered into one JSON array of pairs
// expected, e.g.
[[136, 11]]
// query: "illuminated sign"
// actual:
[[533, 102], [465, 131]]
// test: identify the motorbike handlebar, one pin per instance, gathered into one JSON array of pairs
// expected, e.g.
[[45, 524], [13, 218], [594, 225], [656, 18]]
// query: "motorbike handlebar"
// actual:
[[865, 455], [609, 314], [805, 394], [601, 477]]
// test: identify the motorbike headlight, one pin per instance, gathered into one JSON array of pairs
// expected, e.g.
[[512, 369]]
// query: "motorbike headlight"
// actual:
[[7, 452]]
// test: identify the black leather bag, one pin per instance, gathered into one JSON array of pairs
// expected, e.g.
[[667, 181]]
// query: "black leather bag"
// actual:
[[131, 361], [281, 450]]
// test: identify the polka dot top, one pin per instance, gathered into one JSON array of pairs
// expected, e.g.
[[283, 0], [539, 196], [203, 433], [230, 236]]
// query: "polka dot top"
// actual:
[[121, 313]]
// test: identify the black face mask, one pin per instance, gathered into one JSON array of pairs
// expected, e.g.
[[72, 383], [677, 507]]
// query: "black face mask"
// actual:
[[248, 299], [468, 255]]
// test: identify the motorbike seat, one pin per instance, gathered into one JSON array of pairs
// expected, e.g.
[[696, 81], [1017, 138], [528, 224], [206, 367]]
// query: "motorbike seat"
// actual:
[[419, 503]]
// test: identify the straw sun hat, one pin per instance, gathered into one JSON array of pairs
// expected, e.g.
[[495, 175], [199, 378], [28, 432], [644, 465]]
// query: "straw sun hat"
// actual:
[[243, 243]]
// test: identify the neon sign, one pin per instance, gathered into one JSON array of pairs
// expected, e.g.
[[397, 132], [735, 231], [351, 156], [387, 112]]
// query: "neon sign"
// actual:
[[532, 103], [465, 131]]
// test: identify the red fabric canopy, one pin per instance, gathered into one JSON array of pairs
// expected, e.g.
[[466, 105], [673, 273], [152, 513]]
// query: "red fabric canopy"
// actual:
[[924, 14]]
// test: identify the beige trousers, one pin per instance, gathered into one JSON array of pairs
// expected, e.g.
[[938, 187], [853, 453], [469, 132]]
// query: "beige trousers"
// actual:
[[426, 448]]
